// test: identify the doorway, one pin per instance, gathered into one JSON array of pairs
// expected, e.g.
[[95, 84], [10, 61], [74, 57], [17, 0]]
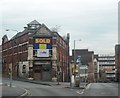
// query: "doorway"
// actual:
[[37, 72]]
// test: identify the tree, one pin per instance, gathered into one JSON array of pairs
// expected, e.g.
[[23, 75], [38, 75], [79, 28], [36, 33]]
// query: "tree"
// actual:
[[56, 28]]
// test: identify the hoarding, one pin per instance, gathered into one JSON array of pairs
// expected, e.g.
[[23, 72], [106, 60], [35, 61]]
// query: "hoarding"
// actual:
[[42, 47]]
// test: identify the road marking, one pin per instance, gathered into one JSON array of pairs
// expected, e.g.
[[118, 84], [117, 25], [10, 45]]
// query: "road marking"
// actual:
[[12, 85], [25, 94], [80, 92], [88, 86], [29, 93]]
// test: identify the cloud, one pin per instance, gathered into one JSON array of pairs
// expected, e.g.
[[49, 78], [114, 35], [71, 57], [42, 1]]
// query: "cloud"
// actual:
[[93, 21]]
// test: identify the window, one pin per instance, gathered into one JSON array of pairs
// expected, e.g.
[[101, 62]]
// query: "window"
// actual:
[[24, 68]]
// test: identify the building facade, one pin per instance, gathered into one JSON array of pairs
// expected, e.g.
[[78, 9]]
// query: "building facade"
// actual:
[[117, 61], [36, 53], [96, 67], [0, 60], [107, 66], [87, 59]]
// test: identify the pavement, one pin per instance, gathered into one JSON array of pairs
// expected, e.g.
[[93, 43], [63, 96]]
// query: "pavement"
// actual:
[[83, 85], [13, 91]]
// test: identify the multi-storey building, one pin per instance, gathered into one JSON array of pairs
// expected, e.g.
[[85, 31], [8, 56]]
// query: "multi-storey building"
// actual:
[[107, 65], [0, 60], [36, 53], [117, 61]]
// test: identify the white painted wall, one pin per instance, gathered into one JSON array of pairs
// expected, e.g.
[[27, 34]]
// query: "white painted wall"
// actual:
[[21, 74], [30, 53]]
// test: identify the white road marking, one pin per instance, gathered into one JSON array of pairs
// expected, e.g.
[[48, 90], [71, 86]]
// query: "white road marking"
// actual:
[[12, 85], [88, 86], [80, 92]]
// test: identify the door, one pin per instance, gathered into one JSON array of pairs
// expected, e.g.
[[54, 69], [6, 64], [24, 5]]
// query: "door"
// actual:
[[38, 72]]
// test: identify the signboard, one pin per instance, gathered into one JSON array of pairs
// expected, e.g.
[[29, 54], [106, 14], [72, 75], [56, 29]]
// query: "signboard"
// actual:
[[106, 69], [43, 40], [73, 69], [43, 53], [42, 47]]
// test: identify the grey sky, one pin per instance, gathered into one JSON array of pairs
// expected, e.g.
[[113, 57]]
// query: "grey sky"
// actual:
[[93, 21]]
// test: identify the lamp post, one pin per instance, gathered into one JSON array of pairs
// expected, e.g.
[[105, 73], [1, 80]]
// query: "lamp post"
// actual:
[[71, 74], [11, 30], [11, 66], [75, 62]]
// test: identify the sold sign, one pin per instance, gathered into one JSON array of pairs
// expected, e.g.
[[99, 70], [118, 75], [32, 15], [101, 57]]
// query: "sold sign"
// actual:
[[42, 40]]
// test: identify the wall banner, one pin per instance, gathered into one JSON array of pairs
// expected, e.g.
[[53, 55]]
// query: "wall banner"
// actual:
[[42, 47], [42, 52]]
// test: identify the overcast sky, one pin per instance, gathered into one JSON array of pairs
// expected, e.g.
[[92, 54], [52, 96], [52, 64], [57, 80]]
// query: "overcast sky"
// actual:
[[93, 21]]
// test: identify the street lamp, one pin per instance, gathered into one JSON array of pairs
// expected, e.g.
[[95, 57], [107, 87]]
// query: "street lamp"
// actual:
[[11, 30], [75, 61], [71, 74], [12, 60]]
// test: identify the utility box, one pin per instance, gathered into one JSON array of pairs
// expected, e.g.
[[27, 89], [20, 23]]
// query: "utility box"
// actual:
[[77, 81]]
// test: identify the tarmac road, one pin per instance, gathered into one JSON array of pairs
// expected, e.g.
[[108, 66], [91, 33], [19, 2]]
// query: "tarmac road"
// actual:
[[44, 90], [94, 89]]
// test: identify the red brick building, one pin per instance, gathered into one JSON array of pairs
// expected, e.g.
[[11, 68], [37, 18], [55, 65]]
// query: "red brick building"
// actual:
[[87, 58], [36, 52]]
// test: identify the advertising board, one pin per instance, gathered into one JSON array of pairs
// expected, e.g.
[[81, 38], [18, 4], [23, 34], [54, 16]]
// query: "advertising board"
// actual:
[[42, 47]]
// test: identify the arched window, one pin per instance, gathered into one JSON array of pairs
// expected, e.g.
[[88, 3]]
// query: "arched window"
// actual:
[[24, 69]]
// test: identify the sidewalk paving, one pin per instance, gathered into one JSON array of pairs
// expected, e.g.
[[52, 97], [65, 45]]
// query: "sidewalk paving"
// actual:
[[48, 83]]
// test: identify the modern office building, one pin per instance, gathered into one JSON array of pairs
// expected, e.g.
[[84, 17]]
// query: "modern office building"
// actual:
[[107, 65], [0, 60], [36, 53], [117, 61]]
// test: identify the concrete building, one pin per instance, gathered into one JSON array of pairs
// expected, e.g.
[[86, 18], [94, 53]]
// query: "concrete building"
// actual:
[[117, 61], [107, 66], [36, 53], [117, 48], [0, 60]]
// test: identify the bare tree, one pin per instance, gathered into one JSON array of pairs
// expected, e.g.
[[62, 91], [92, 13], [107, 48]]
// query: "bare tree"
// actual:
[[56, 28]]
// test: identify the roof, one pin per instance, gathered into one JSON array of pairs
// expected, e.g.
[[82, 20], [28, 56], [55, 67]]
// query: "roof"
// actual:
[[34, 22], [27, 30], [22, 33]]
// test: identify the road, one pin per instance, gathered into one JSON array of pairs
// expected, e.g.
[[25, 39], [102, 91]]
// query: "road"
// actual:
[[102, 89], [44, 90], [94, 89]]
